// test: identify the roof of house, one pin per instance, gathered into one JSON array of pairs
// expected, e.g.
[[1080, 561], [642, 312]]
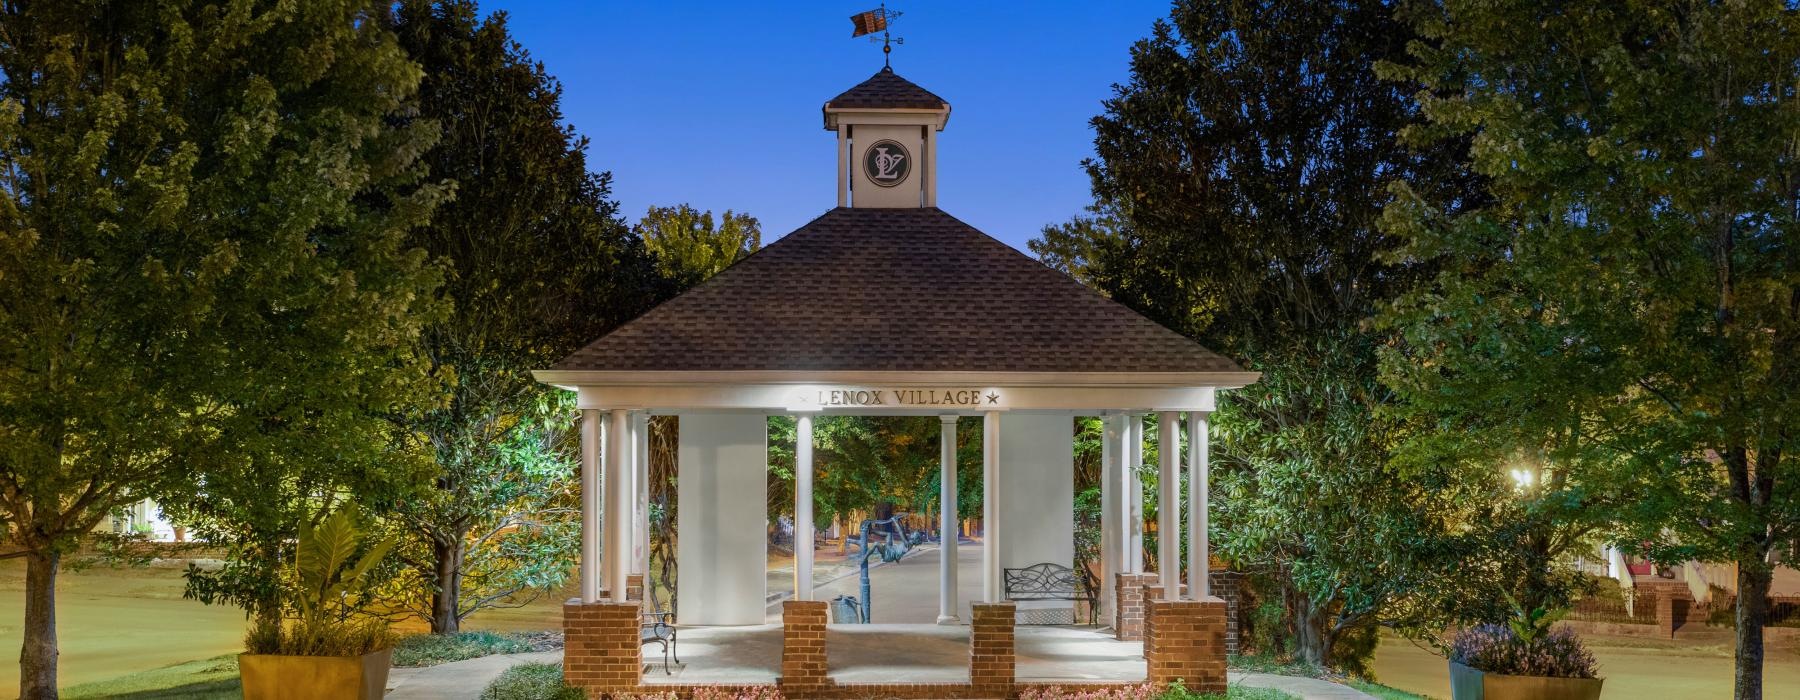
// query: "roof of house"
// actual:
[[886, 90], [864, 289]]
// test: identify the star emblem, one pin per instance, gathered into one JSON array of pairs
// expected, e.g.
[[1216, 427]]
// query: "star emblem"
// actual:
[[993, 398]]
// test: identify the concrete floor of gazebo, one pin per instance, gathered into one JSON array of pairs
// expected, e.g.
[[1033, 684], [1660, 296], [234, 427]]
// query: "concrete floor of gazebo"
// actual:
[[888, 653]]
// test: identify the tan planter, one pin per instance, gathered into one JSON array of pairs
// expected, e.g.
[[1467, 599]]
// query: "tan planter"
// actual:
[[280, 677], [1469, 684]]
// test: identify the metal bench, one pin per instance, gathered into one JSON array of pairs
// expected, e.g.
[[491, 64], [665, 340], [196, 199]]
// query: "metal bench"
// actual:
[[656, 629], [1046, 581]]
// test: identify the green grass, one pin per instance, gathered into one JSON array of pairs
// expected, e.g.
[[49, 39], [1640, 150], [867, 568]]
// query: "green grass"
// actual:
[[531, 682], [434, 649], [207, 679]]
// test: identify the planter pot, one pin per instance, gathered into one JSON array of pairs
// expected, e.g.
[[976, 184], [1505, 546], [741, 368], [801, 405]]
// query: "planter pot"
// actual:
[[1469, 684], [281, 677]]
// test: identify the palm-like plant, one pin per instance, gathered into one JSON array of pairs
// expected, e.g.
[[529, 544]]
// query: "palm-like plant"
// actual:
[[328, 597]]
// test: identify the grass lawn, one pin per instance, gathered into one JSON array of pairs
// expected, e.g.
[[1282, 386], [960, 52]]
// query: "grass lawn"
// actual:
[[207, 679], [116, 621]]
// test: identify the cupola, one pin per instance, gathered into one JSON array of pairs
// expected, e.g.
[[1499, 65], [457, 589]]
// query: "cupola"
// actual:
[[887, 142]]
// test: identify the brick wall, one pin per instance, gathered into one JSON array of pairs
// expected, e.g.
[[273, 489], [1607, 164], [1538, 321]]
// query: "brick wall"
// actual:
[[992, 647], [1128, 615], [600, 646], [1229, 586], [1134, 589], [1184, 640], [803, 669]]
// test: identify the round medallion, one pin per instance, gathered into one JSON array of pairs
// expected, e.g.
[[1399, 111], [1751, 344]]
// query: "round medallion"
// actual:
[[886, 163]]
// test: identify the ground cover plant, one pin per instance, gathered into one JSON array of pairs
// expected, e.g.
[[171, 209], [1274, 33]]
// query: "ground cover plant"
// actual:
[[434, 649]]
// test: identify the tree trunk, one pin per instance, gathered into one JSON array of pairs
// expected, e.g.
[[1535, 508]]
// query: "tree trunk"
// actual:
[[1752, 610], [37, 657], [1312, 643], [449, 559]]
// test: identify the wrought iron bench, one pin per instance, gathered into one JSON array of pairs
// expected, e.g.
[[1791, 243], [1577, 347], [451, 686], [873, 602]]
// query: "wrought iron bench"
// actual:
[[656, 629], [1046, 581]]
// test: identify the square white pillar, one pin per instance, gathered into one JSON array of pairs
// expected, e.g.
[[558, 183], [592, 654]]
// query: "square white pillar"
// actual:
[[1168, 503], [947, 521], [590, 505], [1037, 507], [722, 525], [803, 507]]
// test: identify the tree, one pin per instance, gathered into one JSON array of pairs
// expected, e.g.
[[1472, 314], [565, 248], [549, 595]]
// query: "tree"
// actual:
[[539, 264], [1633, 288], [689, 247], [203, 242], [1238, 179]]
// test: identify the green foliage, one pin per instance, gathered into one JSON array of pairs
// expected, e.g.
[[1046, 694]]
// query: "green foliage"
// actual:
[[539, 264], [1628, 296], [531, 682], [689, 247], [207, 276], [434, 649], [327, 590], [1247, 157]]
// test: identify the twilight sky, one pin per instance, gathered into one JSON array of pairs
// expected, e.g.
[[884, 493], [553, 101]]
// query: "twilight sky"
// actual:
[[717, 104]]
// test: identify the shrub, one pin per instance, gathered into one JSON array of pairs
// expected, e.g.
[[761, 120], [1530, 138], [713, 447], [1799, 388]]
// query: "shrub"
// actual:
[[1499, 649], [532, 682], [434, 649]]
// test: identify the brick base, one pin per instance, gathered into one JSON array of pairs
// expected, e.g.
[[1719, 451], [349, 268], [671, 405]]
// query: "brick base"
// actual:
[[601, 654], [803, 669], [992, 647], [1133, 589], [1184, 640]]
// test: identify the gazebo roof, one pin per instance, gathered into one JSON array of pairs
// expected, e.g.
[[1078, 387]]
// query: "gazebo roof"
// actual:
[[893, 290]]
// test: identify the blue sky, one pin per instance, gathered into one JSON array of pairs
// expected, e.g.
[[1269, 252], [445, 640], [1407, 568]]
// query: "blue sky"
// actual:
[[717, 104]]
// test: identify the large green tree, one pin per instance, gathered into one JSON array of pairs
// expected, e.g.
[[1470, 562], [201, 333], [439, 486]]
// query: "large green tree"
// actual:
[[1633, 288], [539, 264], [204, 268], [1239, 178], [690, 246]]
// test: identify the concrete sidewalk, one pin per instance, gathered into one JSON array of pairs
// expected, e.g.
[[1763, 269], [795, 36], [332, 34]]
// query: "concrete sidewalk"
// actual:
[[1303, 688], [459, 680]]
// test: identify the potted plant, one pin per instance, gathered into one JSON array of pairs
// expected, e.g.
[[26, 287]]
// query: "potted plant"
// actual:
[[1524, 658], [330, 646]]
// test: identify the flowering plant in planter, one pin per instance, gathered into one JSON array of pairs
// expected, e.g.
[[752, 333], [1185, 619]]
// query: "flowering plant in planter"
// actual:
[[1500, 649]]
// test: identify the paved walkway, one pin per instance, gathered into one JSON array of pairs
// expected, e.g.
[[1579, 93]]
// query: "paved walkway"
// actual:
[[458, 680], [1304, 688]]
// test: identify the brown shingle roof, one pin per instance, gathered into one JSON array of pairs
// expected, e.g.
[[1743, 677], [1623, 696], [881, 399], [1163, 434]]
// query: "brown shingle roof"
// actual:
[[893, 290], [886, 90]]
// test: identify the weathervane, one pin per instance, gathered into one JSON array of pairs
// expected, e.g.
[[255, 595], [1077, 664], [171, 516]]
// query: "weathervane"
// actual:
[[877, 20]]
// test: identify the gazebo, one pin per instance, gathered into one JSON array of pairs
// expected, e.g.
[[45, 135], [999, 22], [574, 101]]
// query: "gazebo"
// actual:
[[887, 305]]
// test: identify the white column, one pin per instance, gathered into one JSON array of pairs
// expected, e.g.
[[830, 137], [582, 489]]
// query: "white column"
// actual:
[[618, 503], [590, 505], [1168, 503], [1112, 520], [991, 590], [640, 521], [1134, 494], [930, 166], [947, 603], [803, 507], [844, 165], [1199, 476]]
